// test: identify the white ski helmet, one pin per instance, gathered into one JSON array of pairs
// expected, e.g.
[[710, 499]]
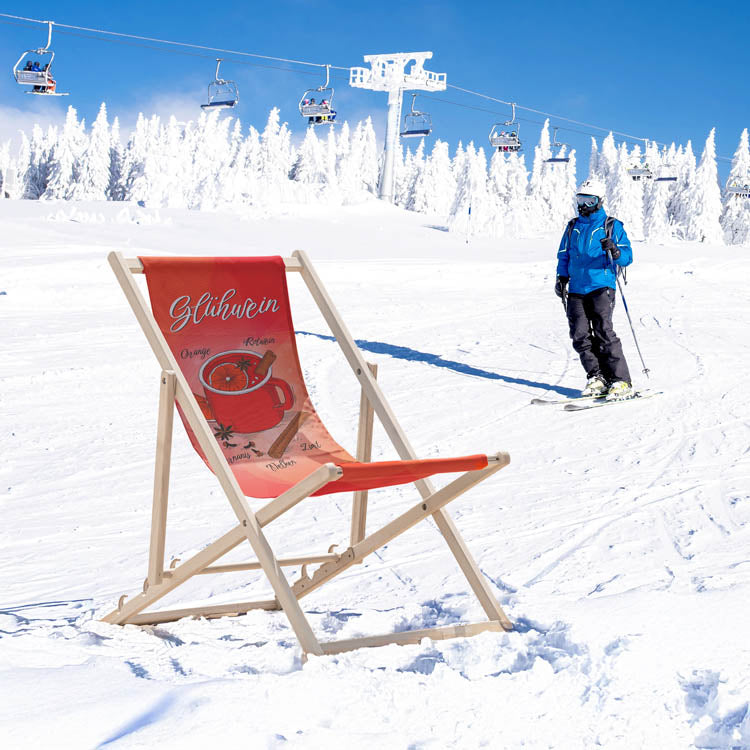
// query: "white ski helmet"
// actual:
[[592, 186]]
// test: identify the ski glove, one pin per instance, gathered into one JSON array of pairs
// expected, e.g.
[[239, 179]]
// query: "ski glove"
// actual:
[[609, 247], [560, 285]]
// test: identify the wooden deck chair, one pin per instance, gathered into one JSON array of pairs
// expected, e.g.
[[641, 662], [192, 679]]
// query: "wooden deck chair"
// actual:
[[222, 332]]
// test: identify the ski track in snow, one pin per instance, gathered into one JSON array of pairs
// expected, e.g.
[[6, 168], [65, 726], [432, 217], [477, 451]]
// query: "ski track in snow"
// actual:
[[618, 543]]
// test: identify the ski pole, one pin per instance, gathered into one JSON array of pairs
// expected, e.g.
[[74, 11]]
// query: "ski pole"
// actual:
[[627, 312]]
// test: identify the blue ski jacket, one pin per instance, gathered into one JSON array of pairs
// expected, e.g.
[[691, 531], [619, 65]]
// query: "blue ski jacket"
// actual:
[[582, 259]]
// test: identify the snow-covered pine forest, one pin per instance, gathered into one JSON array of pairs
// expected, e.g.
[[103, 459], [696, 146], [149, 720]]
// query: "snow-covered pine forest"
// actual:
[[213, 164]]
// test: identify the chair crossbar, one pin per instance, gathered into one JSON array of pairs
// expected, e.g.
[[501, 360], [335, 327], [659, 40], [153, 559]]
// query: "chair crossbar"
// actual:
[[285, 562], [207, 611], [413, 636]]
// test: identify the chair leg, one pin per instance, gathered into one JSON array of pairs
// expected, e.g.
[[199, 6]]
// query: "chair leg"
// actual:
[[364, 455], [161, 477], [468, 565]]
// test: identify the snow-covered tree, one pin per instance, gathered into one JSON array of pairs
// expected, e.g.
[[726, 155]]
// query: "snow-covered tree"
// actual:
[[475, 208], [417, 167], [64, 157], [114, 191], [594, 172], [4, 168], [37, 156], [138, 165], [608, 163], [735, 218], [679, 203], [435, 186], [310, 167], [275, 159], [92, 164], [624, 195], [705, 209], [656, 227], [551, 188]]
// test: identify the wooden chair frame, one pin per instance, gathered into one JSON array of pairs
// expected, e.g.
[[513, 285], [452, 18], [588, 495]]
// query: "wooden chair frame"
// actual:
[[159, 582]]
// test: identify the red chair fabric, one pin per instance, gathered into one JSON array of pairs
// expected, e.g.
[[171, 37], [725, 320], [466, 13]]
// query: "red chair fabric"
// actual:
[[228, 323]]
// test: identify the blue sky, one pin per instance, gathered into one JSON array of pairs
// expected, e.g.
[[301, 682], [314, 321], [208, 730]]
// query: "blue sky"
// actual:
[[667, 71]]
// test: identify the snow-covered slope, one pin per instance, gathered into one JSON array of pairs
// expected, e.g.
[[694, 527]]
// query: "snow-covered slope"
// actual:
[[618, 540]]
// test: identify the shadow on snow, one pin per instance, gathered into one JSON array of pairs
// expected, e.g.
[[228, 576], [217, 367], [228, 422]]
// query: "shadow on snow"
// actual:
[[412, 355]]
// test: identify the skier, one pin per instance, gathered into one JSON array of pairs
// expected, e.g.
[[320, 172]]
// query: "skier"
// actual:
[[585, 268]]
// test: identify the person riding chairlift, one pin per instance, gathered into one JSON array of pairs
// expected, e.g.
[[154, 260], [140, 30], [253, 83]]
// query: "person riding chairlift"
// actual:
[[35, 69], [51, 83], [312, 118]]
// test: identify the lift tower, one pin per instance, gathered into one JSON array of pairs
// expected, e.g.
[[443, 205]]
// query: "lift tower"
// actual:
[[388, 73]]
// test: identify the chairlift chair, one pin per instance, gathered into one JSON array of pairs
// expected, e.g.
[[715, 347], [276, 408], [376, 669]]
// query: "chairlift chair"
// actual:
[[506, 141], [665, 174], [416, 124], [221, 94], [556, 145], [741, 191], [319, 113], [41, 80], [641, 172]]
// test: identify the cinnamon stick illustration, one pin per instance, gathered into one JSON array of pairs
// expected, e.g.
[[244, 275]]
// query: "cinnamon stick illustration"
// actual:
[[282, 441], [267, 360]]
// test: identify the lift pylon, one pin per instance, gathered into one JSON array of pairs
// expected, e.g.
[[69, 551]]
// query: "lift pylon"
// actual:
[[388, 72]]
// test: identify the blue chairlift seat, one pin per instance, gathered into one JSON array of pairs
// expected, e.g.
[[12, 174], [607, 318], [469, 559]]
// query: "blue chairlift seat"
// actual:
[[415, 133], [226, 104], [742, 191]]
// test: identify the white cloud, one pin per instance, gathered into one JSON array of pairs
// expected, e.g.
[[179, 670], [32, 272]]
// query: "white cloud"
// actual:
[[43, 113]]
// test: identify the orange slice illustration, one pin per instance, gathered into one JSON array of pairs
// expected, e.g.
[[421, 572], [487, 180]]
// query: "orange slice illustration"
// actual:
[[228, 377]]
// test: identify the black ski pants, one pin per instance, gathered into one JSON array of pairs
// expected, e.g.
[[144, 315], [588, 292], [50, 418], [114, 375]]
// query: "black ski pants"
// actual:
[[594, 338]]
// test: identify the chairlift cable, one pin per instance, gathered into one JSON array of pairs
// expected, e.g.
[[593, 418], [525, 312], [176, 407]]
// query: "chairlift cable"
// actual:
[[568, 119], [176, 44], [185, 53], [496, 112]]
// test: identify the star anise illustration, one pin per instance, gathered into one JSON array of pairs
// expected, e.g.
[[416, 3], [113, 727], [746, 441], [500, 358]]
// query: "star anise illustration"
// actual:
[[225, 434], [244, 364]]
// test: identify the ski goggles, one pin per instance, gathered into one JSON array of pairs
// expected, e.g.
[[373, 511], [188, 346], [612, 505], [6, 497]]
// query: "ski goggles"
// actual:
[[589, 201]]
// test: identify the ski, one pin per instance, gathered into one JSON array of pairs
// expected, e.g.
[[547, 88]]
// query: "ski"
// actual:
[[558, 401], [603, 402]]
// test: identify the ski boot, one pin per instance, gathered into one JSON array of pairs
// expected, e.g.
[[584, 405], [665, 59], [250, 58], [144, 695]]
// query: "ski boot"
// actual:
[[620, 390], [595, 386]]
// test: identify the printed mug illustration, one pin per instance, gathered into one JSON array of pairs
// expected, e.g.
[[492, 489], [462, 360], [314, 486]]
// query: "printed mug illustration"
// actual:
[[241, 391]]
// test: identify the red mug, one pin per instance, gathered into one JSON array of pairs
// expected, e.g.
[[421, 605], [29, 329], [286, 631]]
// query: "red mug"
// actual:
[[240, 399]]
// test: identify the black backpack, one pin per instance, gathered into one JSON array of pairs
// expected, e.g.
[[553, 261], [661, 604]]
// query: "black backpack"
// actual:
[[609, 228]]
